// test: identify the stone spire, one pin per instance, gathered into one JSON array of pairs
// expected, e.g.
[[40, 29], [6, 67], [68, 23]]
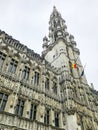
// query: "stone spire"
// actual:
[[57, 26]]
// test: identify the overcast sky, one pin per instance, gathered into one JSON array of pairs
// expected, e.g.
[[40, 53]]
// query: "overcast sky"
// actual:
[[27, 21]]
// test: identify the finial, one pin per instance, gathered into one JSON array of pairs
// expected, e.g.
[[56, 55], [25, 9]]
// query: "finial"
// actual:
[[54, 8], [45, 39]]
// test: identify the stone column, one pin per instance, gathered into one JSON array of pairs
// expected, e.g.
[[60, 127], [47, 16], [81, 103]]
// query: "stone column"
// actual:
[[11, 103], [27, 107], [18, 67], [60, 120], [30, 75], [58, 88], [71, 122], [6, 63], [51, 117], [40, 113], [43, 79]]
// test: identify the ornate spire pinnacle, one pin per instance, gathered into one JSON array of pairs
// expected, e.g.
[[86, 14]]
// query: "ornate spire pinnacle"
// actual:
[[57, 26]]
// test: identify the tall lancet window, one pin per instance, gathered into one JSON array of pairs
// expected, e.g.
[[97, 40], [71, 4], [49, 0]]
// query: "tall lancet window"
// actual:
[[47, 83], [33, 111], [12, 66], [2, 58], [3, 101], [54, 87], [25, 73], [46, 117], [56, 115], [19, 107], [36, 78]]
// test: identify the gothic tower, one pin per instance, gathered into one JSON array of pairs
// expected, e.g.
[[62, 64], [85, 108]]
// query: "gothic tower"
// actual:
[[48, 92], [63, 55]]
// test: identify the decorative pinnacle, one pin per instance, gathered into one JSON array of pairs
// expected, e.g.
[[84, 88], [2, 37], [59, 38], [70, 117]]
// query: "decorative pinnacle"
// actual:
[[54, 9]]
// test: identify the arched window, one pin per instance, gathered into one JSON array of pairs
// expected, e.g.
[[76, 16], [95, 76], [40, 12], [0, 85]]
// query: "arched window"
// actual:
[[33, 111], [46, 116], [25, 73], [36, 77], [3, 101], [47, 81], [56, 116], [55, 85], [19, 107], [12, 66], [2, 58]]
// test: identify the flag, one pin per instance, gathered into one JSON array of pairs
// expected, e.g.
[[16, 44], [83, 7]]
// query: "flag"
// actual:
[[82, 73], [74, 65]]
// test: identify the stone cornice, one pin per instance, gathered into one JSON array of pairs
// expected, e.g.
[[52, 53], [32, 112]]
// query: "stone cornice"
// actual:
[[8, 40]]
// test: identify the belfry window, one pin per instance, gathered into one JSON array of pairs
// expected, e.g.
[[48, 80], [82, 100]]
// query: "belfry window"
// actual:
[[3, 101], [12, 66], [2, 58], [19, 107], [46, 117], [25, 73], [56, 115], [47, 83], [36, 78], [55, 87], [33, 111]]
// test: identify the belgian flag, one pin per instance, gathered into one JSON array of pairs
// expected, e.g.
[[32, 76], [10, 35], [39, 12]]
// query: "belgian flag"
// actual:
[[74, 65]]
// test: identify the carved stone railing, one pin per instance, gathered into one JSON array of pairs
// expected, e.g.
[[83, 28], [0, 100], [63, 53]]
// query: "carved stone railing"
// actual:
[[8, 75], [52, 95], [11, 120]]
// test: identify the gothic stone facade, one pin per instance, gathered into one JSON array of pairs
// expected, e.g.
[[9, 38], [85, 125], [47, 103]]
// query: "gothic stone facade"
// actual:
[[45, 92]]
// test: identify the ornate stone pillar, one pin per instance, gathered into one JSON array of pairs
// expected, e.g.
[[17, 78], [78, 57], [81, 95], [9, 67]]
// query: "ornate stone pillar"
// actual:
[[51, 117], [71, 122], [41, 108], [60, 120], [58, 88], [51, 83], [40, 113], [11, 103], [43, 74], [27, 107], [18, 66], [6, 63]]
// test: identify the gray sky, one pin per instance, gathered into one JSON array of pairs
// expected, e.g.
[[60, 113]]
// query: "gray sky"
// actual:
[[27, 21]]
